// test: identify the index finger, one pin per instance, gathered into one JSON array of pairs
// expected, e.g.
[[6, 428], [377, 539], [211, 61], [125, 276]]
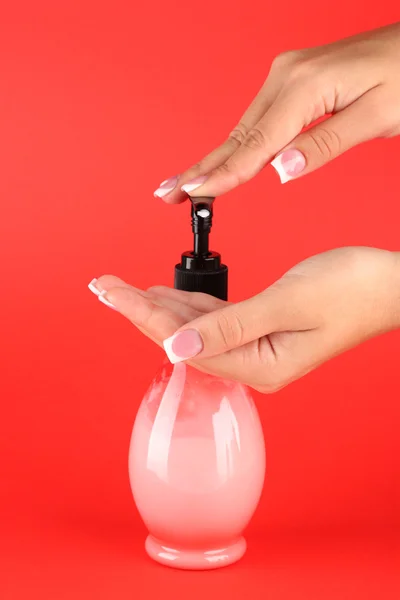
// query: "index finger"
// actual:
[[276, 129], [222, 153]]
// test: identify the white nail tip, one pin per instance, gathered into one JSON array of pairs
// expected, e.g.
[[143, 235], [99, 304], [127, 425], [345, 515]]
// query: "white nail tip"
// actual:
[[277, 164], [161, 192], [104, 300], [190, 187], [172, 357], [92, 287]]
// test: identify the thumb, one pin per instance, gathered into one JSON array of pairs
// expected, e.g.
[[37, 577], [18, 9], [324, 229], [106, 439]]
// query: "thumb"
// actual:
[[357, 123], [233, 326]]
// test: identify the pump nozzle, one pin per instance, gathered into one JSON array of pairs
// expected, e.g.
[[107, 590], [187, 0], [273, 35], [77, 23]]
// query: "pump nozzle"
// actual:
[[202, 214], [200, 269]]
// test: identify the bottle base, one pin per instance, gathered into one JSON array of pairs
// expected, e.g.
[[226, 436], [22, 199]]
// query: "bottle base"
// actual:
[[195, 559]]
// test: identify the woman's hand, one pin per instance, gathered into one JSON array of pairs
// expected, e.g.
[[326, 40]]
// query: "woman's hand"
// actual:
[[320, 308], [357, 80]]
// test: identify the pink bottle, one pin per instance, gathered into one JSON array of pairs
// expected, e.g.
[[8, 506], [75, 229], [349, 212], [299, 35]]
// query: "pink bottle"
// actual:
[[197, 455], [196, 465]]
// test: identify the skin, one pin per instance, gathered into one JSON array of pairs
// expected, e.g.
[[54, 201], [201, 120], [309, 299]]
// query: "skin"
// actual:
[[317, 310], [356, 80], [330, 302]]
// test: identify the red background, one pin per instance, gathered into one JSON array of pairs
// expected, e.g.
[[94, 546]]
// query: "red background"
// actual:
[[99, 102]]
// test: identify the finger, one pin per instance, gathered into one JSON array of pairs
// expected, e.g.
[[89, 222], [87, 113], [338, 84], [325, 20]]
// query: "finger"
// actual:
[[282, 307], [358, 123], [100, 287], [282, 122], [170, 190], [107, 282], [157, 322], [268, 363], [196, 300], [184, 310], [254, 363]]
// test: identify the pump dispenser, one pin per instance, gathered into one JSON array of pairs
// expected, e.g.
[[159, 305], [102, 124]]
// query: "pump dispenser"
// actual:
[[197, 454]]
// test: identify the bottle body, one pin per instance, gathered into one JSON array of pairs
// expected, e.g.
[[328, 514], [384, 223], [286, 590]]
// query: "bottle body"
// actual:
[[196, 466]]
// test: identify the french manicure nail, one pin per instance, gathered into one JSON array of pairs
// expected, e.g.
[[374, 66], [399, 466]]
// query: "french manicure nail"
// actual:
[[193, 184], [289, 164], [183, 345], [166, 187], [104, 300], [93, 287]]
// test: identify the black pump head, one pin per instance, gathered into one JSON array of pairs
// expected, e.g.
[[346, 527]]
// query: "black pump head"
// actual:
[[202, 214], [200, 269]]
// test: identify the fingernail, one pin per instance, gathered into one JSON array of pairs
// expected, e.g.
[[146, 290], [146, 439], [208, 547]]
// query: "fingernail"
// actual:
[[166, 187], [193, 184], [289, 164], [104, 300], [183, 345], [93, 287]]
